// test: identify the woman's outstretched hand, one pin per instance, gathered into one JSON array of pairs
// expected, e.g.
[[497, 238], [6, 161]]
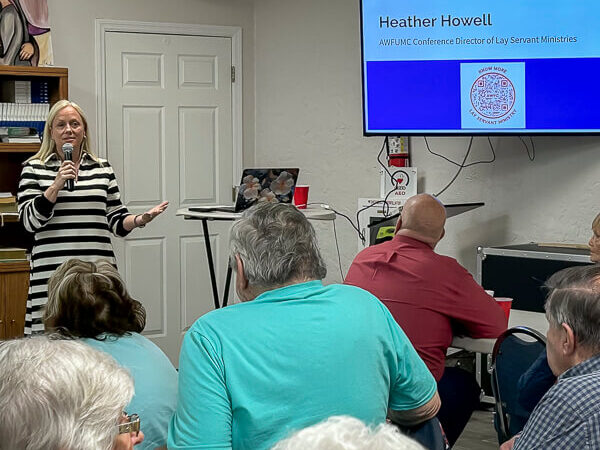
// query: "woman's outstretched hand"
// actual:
[[149, 215]]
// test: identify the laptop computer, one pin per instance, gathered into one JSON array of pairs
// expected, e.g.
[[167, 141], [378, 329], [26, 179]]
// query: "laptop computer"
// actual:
[[259, 185]]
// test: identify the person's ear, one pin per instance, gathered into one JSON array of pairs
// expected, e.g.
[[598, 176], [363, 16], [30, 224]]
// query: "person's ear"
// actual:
[[241, 281], [398, 224], [568, 342]]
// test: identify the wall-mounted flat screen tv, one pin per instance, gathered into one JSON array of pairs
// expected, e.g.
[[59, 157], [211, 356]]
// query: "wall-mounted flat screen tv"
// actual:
[[469, 67]]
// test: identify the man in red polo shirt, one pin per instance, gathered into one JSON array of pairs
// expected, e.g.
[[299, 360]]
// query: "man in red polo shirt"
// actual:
[[433, 298]]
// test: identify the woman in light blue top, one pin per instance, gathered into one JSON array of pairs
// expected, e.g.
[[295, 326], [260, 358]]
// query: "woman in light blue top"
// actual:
[[89, 301]]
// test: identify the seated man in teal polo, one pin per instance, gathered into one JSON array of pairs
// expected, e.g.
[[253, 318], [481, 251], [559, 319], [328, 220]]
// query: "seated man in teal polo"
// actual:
[[294, 352]]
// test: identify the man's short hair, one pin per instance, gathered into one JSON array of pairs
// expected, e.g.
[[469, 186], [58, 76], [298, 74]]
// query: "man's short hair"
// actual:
[[574, 299], [59, 394], [348, 433], [277, 244]]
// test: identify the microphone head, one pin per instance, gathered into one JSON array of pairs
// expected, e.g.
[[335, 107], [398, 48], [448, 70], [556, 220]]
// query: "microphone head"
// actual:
[[67, 149]]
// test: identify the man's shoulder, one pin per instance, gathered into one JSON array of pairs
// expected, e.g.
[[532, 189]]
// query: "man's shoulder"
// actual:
[[563, 413], [584, 387], [344, 294], [579, 394], [374, 250]]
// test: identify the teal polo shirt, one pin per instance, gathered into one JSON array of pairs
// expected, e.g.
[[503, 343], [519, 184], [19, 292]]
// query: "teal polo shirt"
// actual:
[[252, 373]]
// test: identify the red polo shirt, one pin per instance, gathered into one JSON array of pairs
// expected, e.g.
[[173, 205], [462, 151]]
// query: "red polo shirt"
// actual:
[[432, 297]]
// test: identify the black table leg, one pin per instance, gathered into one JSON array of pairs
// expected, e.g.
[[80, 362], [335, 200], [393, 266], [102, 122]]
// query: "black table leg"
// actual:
[[227, 283], [211, 265]]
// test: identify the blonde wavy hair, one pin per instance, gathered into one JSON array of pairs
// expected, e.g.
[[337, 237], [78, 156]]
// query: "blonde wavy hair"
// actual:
[[48, 146]]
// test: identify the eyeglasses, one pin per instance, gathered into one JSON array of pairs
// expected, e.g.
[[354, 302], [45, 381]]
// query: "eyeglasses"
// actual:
[[131, 425]]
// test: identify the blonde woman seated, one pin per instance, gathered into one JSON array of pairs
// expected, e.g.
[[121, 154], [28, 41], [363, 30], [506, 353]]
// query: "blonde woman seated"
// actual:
[[89, 301]]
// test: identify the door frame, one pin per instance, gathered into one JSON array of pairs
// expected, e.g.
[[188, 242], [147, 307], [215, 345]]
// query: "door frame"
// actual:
[[104, 26]]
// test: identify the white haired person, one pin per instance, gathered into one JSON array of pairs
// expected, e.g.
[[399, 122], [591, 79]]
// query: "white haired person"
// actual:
[[295, 351], [69, 221], [348, 433], [62, 395]]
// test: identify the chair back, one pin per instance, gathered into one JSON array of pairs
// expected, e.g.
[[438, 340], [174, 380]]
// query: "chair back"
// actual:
[[514, 352], [429, 434]]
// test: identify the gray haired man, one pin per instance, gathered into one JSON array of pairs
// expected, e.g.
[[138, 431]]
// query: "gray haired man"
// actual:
[[294, 352], [568, 416]]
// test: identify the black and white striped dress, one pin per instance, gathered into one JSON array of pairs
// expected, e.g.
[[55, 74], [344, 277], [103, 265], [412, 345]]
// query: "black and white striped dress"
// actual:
[[78, 225]]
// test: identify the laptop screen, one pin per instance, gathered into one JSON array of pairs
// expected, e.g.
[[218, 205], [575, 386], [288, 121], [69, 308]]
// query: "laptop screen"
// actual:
[[260, 185]]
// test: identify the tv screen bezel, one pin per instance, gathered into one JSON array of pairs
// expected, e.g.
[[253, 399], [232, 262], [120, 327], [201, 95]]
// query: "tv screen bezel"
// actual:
[[445, 133]]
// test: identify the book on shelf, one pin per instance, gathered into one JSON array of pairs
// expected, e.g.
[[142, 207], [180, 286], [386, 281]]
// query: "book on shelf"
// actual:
[[18, 131], [29, 115], [24, 91], [8, 205], [13, 253], [21, 139], [7, 197]]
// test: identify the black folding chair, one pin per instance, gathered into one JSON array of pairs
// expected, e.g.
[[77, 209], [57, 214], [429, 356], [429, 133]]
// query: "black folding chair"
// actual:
[[514, 352]]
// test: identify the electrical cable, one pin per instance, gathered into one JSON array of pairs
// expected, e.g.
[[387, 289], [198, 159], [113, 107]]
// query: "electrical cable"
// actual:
[[385, 146], [386, 206], [462, 166], [489, 161], [325, 206], [531, 155], [338, 253], [337, 246]]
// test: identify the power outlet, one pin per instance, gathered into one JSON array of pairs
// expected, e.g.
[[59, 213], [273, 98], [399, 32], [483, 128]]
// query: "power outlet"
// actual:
[[395, 144]]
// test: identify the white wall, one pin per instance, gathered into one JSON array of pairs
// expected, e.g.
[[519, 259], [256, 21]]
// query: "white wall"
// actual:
[[73, 37], [302, 97], [308, 113]]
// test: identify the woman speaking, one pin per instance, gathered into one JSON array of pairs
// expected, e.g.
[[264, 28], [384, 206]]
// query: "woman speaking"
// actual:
[[69, 199]]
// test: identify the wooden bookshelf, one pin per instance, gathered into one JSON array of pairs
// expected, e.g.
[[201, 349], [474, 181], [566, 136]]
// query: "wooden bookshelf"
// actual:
[[12, 155], [14, 284], [19, 148]]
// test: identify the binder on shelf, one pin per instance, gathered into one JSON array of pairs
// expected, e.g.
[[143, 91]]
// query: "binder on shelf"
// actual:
[[40, 92], [15, 91], [13, 253], [8, 204], [21, 139], [17, 131], [24, 91]]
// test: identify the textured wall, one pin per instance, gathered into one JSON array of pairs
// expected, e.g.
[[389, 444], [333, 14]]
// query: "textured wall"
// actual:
[[73, 36], [308, 113], [302, 88]]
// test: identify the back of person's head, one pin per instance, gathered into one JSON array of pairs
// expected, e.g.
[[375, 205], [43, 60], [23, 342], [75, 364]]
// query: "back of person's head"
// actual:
[[277, 245], [574, 299], [424, 216], [348, 433], [87, 299], [59, 395]]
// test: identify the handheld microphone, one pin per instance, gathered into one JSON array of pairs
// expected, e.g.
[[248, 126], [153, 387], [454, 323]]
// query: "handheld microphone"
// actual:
[[67, 149]]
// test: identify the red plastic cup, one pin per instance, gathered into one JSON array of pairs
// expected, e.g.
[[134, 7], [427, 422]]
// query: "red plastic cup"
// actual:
[[301, 196], [505, 303]]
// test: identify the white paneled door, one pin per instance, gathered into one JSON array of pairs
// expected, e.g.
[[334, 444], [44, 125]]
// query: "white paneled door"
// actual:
[[169, 137]]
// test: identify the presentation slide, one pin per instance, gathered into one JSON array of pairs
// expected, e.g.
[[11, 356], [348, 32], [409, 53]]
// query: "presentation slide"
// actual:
[[484, 67]]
